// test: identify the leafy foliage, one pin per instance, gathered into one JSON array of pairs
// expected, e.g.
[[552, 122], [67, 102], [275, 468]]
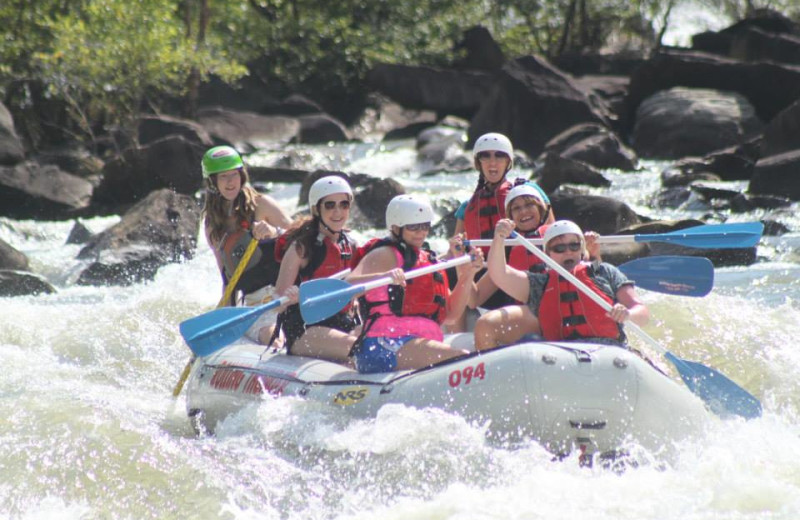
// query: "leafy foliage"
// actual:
[[110, 59], [108, 55]]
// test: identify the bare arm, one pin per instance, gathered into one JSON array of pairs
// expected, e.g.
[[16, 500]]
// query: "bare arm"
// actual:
[[217, 257], [377, 264], [268, 209], [484, 288], [628, 307], [465, 288], [511, 281], [290, 268]]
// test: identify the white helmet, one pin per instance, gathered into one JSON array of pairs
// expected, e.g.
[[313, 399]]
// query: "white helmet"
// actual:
[[408, 209], [493, 142], [563, 227], [526, 190], [325, 186]]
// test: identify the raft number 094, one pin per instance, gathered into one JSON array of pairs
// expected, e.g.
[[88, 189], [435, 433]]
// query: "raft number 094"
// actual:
[[467, 374]]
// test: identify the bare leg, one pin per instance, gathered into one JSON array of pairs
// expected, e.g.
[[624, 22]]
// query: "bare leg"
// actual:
[[503, 326], [421, 352], [265, 334], [325, 343]]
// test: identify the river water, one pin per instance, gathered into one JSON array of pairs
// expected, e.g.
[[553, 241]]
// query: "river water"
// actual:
[[89, 428]]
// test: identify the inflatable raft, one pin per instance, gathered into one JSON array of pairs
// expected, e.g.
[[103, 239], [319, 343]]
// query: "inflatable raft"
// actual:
[[567, 396]]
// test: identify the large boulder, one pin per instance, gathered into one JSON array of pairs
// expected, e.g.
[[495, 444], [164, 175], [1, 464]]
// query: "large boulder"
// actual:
[[160, 229], [479, 51], [777, 175], [532, 102], [155, 127], [320, 129], [681, 121], [782, 134], [595, 145], [605, 215], [12, 259], [755, 81], [757, 45], [11, 149], [20, 283], [33, 191], [445, 91], [558, 170], [727, 42], [247, 131], [172, 162]]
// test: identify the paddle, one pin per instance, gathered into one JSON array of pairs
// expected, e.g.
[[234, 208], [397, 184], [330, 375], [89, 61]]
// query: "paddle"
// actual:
[[676, 275], [723, 396], [708, 236], [209, 332], [324, 297], [226, 297]]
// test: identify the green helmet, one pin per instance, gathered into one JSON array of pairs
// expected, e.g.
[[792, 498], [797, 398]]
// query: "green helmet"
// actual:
[[221, 159]]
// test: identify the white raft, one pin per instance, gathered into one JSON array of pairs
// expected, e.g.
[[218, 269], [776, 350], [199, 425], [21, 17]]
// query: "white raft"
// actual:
[[567, 396]]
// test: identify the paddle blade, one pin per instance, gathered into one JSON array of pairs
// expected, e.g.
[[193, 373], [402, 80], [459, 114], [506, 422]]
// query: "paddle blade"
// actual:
[[711, 236], [323, 297], [723, 396], [209, 332], [677, 275]]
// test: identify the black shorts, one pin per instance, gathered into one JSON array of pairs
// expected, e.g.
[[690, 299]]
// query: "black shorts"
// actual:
[[294, 327]]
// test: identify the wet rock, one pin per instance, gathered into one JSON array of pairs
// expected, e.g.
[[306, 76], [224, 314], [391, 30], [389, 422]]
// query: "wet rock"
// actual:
[[33, 191], [20, 283], [160, 229]]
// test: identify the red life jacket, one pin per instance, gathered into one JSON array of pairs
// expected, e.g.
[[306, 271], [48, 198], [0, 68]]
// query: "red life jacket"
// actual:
[[327, 257], [422, 296], [522, 259], [566, 313], [484, 209]]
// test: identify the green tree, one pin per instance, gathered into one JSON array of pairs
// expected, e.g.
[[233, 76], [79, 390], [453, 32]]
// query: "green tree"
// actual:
[[107, 57]]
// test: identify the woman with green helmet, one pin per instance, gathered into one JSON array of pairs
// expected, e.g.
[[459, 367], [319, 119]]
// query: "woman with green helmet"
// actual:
[[235, 213]]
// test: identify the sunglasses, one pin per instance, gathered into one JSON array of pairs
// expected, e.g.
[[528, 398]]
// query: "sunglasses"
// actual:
[[485, 156], [424, 226], [331, 204], [562, 248]]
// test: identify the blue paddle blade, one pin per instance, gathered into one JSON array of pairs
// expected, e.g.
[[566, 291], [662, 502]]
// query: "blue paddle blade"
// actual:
[[209, 332], [677, 275], [723, 396], [323, 297], [711, 236]]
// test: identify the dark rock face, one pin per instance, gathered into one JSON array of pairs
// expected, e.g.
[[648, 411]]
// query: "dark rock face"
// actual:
[[678, 122], [755, 81], [778, 175], [33, 191], [532, 102], [172, 162], [11, 149], [19, 283], [445, 91], [160, 229]]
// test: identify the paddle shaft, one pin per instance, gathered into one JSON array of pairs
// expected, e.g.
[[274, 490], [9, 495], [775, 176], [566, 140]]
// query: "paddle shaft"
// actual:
[[606, 239], [387, 280], [226, 297], [706, 236]]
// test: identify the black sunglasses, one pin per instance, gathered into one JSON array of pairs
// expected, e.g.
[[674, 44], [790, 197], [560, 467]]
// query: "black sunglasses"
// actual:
[[423, 226], [330, 204], [485, 156], [562, 248]]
